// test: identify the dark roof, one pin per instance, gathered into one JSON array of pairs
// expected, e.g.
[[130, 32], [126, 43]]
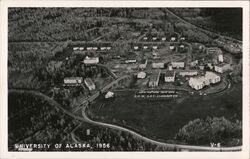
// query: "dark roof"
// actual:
[[169, 73]]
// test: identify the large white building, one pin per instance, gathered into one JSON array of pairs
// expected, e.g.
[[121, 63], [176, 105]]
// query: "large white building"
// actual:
[[91, 60], [198, 83]]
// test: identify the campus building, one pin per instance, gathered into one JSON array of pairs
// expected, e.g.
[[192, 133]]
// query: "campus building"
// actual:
[[141, 75], [222, 67], [72, 80], [91, 60], [189, 73], [157, 65], [130, 61], [178, 64], [89, 83], [143, 64], [154, 78], [198, 83], [169, 76]]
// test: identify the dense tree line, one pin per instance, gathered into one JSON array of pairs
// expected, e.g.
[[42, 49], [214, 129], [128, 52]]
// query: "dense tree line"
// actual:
[[211, 130], [227, 21], [118, 140], [34, 120]]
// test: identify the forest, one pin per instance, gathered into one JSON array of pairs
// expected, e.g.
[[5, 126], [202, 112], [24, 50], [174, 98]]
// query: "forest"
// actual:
[[227, 21]]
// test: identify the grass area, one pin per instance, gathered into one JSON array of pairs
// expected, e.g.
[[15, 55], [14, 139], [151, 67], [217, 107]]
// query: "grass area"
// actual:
[[163, 119]]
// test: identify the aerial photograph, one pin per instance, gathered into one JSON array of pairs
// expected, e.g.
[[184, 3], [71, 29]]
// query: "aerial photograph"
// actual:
[[124, 79]]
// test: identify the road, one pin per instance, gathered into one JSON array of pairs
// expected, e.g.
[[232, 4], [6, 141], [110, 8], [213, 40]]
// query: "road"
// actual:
[[174, 146], [85, 118]]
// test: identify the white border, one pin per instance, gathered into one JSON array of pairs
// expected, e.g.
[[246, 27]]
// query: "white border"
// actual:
[[244, 154]]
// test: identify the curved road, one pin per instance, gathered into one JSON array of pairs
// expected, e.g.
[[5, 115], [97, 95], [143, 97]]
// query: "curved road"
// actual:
[[86, 119], [174, 146]]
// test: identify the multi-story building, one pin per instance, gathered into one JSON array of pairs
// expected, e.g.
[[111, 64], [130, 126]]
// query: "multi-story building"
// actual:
[[198, 83], [169, 76], [222, 67]]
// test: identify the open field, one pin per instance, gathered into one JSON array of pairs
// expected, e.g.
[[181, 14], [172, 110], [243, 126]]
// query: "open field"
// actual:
[[162, 120]]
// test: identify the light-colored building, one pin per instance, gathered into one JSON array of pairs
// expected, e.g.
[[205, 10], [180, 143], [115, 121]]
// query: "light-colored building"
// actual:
[[154, 78], [136, 47], [145, 38], [222, 67], [169, 76], [171, 47], [220, 58], [130, 61], [182, 46], [95, 48], [145, 47], [89, 83], [103, 48], [73, 80], [108, 47], [200, 82], [189, 73], [75, 48], [143, 64], [154, 38], [91, 60], [141, 75], [155, 47], [81, 48], [178, 64], [157, 65], [194, 63], [89, 48], [173, 39], [210, 66], [163, 38]]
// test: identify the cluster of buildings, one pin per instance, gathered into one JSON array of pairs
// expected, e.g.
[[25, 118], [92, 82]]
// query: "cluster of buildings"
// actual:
[[91, 60], [220, 65], [77, 81], [91, 48]]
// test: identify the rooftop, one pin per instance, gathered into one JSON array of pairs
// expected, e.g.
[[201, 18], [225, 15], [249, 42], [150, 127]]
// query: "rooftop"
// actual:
[[155, 75], [169, 73], [89, 81]]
